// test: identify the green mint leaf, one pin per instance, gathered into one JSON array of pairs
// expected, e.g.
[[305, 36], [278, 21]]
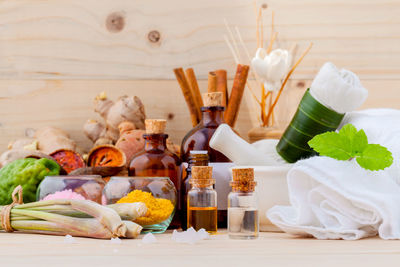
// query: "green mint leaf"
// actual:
[[375, 157], [332, 144], [358, 139], [349, 143], [348, 131], [359, 143]]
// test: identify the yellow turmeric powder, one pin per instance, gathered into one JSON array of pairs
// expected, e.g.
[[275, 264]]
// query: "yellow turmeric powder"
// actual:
[[158, 209]]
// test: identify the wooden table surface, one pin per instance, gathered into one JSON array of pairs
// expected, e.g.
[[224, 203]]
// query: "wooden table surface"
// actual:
[[271, 249]]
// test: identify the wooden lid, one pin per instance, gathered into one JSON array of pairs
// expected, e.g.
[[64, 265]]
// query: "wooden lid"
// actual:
[[202, 176], [243, 180], [213, 99], [155, 126]]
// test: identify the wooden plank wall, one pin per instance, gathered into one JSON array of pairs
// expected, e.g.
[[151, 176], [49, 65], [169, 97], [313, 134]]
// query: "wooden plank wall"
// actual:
[[56, 55]]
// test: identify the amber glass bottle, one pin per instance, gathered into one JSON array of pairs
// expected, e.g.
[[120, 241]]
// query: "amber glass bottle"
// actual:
[[196, 158], [157, 160], [199, 137]]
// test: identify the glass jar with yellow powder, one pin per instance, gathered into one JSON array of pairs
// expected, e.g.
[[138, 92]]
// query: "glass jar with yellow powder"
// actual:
[[158, 193]]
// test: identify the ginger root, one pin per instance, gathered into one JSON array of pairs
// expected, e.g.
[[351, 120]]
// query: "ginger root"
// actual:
[[126, 108], [131, 140], [46, 140], [51, 139]]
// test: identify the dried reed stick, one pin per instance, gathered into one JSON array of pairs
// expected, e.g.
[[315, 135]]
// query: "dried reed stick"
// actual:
[[261, 28], [235, 46], [272, 24], [271, 43], [235, 57]]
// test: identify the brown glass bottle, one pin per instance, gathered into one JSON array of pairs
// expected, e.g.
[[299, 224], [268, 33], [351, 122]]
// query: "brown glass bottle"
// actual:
[[199, 137], [196, 158], [157, 160]]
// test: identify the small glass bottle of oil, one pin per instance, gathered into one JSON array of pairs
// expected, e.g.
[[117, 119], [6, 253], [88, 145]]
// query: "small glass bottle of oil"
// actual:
[[243, 222], [197, 158], [202, 200]]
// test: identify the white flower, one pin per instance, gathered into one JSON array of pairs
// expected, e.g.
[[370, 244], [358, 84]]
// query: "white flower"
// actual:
[[272, 67]]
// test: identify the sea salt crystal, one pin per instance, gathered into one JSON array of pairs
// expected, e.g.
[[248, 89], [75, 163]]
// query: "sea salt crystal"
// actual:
[[149, 239], [203, 234], [115, 240], [69, 239], [190, 236]]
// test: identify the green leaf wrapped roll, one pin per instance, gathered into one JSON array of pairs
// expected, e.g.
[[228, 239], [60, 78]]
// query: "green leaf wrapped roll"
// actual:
[[332, 93], [312, 118]]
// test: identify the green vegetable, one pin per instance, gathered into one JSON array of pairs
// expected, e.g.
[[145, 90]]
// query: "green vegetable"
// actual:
[[311, 118], [349, 143], [25, 172]]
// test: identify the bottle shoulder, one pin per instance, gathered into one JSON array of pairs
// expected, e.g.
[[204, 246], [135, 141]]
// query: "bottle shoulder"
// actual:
[[148, 158]]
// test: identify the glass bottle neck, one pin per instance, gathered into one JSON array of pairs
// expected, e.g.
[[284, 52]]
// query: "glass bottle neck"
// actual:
[[155, 141], [212, 115], [197, 160], [199, 188]]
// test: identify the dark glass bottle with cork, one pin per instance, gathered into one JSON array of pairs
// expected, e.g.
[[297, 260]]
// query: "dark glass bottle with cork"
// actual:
[[196, 158], [202, 200], [156, 160], [199, 138]]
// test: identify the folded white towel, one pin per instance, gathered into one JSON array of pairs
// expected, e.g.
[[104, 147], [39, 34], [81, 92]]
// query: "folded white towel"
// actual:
[[333, 199]]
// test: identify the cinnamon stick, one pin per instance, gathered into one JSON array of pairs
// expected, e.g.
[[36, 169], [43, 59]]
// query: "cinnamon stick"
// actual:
[[212, 82], [222, 85], [239, 84], [187, 93], [194, 88]]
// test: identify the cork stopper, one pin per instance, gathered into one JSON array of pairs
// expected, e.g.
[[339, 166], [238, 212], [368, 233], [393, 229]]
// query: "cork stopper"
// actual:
[[213, 99], [202, 176], [243, 180], [155, 126]]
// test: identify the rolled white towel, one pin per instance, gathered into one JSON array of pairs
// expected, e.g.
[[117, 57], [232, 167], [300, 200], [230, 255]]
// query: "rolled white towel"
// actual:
[[340, 90]]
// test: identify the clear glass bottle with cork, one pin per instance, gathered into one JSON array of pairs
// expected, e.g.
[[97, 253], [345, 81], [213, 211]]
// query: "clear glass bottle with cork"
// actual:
[[202, 200], [196, 158], [243, 220], [156, 160]]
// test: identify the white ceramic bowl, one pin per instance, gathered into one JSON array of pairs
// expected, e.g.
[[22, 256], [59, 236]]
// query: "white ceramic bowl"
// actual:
[[271, 189]]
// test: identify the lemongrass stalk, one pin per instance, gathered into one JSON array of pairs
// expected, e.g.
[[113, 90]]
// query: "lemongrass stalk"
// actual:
[[129, 211], [107, 216], [132, 229], [67, 222], [46, 227], [22, 218], [43, 203]]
